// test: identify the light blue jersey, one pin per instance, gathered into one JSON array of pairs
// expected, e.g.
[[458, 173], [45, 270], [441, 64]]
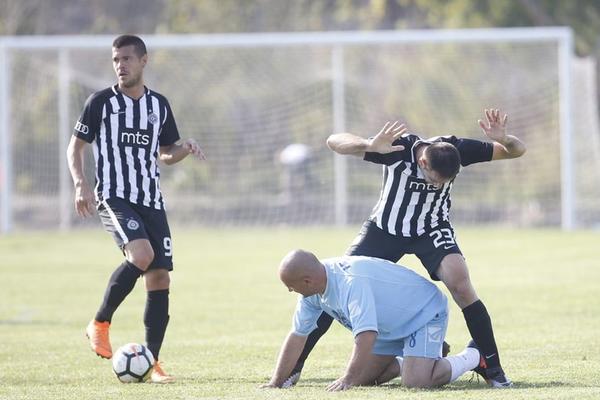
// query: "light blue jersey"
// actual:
[[370, 294]]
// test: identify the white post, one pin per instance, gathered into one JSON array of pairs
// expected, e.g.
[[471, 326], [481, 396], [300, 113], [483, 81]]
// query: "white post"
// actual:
[[6, 178], [567, 176], [65, 196], [340, 167]]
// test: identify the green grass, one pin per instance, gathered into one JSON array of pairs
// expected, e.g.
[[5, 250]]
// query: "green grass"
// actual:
[[229, 314]]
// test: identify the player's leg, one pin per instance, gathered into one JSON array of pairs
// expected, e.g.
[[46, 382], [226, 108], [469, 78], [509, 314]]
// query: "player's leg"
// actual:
[[422, 365], [127, 229], [380, 369], [454, 273], [371, 241], [389, 371], [420, 372], [441, 256], [157, 281], [156, 318]]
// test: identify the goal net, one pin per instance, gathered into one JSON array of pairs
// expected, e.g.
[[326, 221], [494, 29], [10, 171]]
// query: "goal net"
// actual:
[[261, 106]]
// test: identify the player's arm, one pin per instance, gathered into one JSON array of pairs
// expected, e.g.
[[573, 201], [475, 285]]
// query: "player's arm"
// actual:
[[176, 152], [356, 372], [288, 356], [84, 197], [505, 146], [347, 143]]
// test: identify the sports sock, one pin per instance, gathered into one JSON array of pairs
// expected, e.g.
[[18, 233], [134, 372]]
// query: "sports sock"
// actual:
[[480, 326], [462, 362], [323, 324], [120, 284], [156, 319]]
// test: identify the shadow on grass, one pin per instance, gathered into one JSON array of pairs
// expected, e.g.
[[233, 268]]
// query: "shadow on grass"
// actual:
[[461, 385]]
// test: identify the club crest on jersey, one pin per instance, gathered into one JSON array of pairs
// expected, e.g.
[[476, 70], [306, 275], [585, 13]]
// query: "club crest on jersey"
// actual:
[[132, 225], [152, 118], [434, 333]]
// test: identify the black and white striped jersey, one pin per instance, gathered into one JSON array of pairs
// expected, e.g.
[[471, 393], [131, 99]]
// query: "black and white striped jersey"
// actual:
[[127, 134], [409, 206]]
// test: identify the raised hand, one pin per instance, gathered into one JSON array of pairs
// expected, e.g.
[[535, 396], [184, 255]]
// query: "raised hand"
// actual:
[[495, 126], [383, 141]]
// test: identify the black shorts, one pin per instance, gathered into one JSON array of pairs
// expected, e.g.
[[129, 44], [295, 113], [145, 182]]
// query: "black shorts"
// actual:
[[431, 247], [126, 221]]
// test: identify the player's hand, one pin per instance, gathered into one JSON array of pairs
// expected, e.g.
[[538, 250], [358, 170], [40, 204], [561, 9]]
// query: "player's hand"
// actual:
[[193, 148], [339, 385], [495, 126], [84, 200], [383, 142]]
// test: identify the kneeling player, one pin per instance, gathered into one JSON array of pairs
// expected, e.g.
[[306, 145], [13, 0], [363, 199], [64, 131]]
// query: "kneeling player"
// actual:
[[397, 317]]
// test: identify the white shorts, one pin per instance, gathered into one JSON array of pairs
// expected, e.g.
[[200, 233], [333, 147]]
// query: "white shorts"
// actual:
[[425, 342]]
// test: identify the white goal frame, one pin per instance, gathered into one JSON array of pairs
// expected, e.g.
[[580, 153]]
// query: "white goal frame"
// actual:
[[338, 40]]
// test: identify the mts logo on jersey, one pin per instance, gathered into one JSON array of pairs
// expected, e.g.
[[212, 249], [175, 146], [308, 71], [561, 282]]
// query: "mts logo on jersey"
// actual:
[[138, 138], [419, 185]]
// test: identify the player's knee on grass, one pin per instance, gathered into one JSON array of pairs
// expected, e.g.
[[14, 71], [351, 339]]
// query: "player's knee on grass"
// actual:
[[419, 372]]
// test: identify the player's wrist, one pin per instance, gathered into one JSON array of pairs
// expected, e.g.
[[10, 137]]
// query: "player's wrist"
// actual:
[[369, 145]]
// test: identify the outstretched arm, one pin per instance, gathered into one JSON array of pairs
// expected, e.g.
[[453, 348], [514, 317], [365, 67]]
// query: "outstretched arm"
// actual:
[[505, 146], [347, 143], [288, 356], [176, 152]]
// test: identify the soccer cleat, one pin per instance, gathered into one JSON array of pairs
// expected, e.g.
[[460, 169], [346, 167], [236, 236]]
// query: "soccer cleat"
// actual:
[[97, 333], [291, 381], [494, 376], [159, 375]]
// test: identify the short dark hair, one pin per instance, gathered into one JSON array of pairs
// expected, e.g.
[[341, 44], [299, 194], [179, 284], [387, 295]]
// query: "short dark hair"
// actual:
[[443, 158], [131, 40]]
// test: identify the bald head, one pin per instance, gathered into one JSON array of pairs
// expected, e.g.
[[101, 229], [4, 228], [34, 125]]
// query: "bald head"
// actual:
[[303, 273]]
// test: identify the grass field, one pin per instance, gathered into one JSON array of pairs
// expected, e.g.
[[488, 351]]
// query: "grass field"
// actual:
[[229, 314]]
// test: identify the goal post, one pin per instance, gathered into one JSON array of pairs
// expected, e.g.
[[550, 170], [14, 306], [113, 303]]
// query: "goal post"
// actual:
[[246, 96]]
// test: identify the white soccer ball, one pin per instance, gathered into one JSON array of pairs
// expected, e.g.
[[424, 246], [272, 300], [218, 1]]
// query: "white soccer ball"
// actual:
[[133, 362]]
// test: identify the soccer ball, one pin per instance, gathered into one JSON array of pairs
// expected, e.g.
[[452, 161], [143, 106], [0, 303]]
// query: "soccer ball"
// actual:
[[133, 362]]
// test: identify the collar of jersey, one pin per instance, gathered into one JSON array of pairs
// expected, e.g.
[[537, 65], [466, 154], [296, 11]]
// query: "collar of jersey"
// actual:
[[116, 90]]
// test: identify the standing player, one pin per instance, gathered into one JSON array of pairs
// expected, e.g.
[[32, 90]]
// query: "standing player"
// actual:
[[132, 128], [391, 311], [412, 217]]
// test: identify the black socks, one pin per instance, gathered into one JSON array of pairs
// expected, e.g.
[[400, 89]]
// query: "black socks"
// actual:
[[156, 319], [120, 284], [480, 327]]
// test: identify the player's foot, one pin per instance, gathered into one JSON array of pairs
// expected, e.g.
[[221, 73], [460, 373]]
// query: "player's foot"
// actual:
[[97, 333], [495, 376], [292, 380], [445, 349], [159, 375]]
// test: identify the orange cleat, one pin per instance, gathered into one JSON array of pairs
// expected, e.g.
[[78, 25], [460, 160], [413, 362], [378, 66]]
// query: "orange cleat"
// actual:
[[159, 375], [97, 332]]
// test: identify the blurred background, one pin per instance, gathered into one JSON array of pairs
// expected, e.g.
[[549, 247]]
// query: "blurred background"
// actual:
[[262, 83]]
